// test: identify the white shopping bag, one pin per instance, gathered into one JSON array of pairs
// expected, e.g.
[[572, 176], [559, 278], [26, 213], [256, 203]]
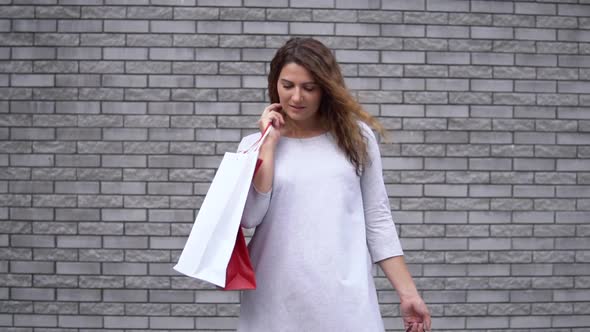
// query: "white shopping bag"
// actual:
[[209, 246]]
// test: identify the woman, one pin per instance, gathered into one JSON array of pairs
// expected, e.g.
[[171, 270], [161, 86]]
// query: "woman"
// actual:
[[320, 208]]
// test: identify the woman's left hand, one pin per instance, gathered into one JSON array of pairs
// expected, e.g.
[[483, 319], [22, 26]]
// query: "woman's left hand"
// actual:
[[415, 314]]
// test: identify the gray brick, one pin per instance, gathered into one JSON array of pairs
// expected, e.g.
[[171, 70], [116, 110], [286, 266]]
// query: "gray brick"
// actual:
[[78, 268], [155, 309], [574, 61], [470, 71], [97, 67], [514, 20], [556, 151], [78, 295], [426, 71], [491, 85], [488, 322], [447, 5], [511, 204], [17, 307], [425, 44], [80, 321], [535, 86], [356, 4], [99, 282], [503, 309], [286, 14], [33, 25], [557, 73], [530, 296], [402, 5], [24, 133], [538, 9], [128, 53], [425, 17], [124, 268], [492, 59], [170, 108], [397, 30], [446, 217], [557, 47], [491, 33], [177, 296], [445, 190], [149, 12], [573, 35], [556, 22], [443, 31], [533, 191], [126, 26], [172, 27], [538, 217], [554, 230], [491, 111], [571, 269], [103, 12], [35, 320], [354, 29], [448, 58], [511, 257], [492, 6], [42, 294], [550, 282], [447, 296], [472, 45], [513, 45], [126, 322], [177, 322], [536, 60], [558, 99], [194, 309], [216, 322], [514, 98]]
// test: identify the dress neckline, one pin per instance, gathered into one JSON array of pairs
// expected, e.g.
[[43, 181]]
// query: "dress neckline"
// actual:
[[311, 138]]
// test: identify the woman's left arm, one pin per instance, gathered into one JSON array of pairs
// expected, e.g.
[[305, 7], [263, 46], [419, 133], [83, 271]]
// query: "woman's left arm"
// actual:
[[414, 312], [383, 241]]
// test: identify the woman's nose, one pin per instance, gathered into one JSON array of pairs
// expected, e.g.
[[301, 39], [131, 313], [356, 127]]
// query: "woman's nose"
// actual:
[[296, 95]]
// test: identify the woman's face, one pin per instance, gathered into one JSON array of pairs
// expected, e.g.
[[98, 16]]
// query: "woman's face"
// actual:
[[299, 95]]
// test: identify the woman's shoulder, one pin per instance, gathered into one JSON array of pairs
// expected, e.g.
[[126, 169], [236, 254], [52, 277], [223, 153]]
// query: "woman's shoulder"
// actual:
[[366, 130]]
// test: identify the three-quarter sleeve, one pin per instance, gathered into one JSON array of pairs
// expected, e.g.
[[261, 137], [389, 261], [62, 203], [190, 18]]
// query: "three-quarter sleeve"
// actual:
[[382, 238], [257, 203]]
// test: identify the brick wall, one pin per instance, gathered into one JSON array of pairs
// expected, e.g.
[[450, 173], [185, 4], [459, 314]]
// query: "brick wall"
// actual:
[[115, 114]]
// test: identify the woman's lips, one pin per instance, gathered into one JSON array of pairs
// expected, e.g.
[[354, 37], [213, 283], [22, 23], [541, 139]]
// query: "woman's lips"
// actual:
[[298, 108]]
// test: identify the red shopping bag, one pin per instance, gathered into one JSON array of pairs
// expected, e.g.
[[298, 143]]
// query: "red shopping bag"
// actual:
[[240, 274]]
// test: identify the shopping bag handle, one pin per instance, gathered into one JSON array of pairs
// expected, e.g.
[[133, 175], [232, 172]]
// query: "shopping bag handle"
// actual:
[[256, 145]]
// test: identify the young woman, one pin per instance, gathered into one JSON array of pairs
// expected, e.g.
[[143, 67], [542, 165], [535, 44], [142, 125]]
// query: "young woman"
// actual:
[[320, 207]]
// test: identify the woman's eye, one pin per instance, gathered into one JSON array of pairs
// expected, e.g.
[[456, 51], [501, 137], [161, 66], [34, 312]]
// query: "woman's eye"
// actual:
[[287, 86], [309, 89]]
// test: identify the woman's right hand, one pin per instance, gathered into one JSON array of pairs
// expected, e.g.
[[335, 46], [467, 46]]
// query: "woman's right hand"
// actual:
[[271, 114]]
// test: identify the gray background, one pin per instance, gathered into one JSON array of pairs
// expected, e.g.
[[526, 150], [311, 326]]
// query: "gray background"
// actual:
[[115, 115]]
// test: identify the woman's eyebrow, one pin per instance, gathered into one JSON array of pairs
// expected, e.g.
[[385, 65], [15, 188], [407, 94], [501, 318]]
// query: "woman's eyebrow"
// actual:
[[304, 83]]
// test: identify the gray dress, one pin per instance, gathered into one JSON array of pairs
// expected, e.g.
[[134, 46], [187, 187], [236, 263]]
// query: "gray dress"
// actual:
[[318, 233]]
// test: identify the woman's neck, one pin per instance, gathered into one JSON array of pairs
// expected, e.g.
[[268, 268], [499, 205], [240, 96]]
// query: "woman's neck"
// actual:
[[297, 130]]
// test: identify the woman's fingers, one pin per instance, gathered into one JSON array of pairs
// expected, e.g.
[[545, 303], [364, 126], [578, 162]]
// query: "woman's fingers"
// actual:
[[271, 114], [279, 117], [272, 107]]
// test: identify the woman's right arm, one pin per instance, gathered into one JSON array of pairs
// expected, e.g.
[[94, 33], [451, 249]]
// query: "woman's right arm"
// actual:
[[259, 196]]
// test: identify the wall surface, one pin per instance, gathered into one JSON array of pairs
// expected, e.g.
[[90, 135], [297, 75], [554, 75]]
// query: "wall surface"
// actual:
[[114, 116]]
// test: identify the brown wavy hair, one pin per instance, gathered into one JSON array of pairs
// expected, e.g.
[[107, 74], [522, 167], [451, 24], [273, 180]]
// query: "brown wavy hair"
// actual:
[[339, 111]]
